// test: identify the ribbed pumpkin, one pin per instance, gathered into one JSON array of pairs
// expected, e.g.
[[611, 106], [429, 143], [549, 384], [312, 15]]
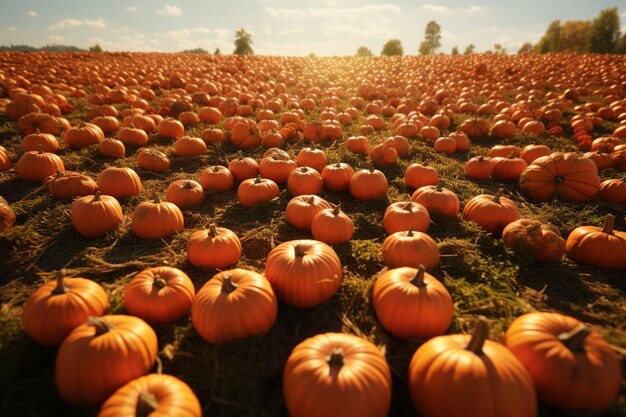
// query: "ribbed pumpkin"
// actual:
[[412, 304], [574, 369], [133, 136], [58, 307], [369, 184], [243, 168], [100, 356], [336, 177], [68, 184], [256, 190], [542, 241], [302, 209], [159, 295], [153, 160], [437, 200], [405, 215], [44, 141], [119, 182], [215, 247], [185, 193], [417, 176], [337, 374], [189, 146], [598, 246], [358, 145], [479, 168], [532, 152], [276, 168], [614, 191], [304, 273], [509, 168], [95, 215], [170, 128], [111, 148], [83, 135], [561, 175], [7, 216], [461, 375], [156, 220], [313, 158], [234, 304], [409, 248], [304, 180], [332, 226], [38, 165], [153, 394], [217, 178], [491, 212], [5, 160]]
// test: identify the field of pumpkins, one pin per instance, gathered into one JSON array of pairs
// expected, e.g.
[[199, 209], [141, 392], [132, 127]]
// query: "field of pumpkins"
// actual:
[[264, 236]]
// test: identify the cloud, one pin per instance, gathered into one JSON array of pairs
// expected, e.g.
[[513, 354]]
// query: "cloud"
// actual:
[[449, 35], [188, 33], [332, 11], [290, 30], [56, 39], [169, 10], [358, 32], [12, 28], [131, 8], [436, 9], [31, 13], [474, 9], [68, 23]]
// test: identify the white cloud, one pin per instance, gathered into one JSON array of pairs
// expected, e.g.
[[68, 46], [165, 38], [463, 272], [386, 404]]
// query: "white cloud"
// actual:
[[290, 30], [31, 13], [170, 10], [68, 23], [474, 9], [188, 33], [449, 35], [222, 33], [56, 39], [131, 8], [332, 11], [285, 12], [357, 32], [436, 8]]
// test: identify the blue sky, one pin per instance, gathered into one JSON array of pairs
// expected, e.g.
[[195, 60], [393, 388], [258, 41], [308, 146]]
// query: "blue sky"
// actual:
[[286, 27]]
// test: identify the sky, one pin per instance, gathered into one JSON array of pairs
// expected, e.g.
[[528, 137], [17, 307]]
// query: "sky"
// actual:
[[286, 27]]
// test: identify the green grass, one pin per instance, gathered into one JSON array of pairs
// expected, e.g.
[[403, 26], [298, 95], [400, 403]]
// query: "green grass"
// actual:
[[244, 378]]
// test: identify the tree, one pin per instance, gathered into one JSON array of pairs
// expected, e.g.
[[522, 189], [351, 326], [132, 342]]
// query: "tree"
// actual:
[[575, 36], [469, 49], [498, 49], [393, 47], [195, 51], [551, 40], [243, 43], [432, 39], [455, 51], [217, 51], [605, 31], [621, 45], [364, 51], [95, 48], [526, 48]]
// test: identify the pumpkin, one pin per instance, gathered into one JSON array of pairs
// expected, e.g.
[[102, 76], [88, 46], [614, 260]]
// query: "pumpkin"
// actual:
[[38, 165], [304, 273], [491, 212], [602, 160], [358, 145], [461, 140], [185, 193], [45, 141], [462, 375], [503, 129], [119, 182], [614, 191], [170, 128], [256, 190], [111, 148], [384, 154], [332, 226], [217, 178], [542, 241], [412, 304], [108, 124], [153, 394], [5, 160], [189, 146], [83, 135], [68, 184], [574, 369], [276, 168], [445, 145], [399, 143], [215, 247], [304, 180], [561, 174], [405, 215], [40, 122], [7, 216], [153, 160], [159, 295], [602, 247], [95, 215], [475, 128], [368, 184], [479, 168], [336, 374], [234, 304], [409, 248], [336, 177], [156, 220], [504, 151], [133, 136], [213, 136], [437, 200], [532, 152], [312, 157], [302, 209], [100, 356], [509, 168], [417, 176], [56, 308]]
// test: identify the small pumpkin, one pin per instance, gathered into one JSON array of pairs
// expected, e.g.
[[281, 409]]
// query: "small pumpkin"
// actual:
[[491, 212], [185, 193], [215, 247], [7, 216], [509, 168], [256, 190], [5, 160], [437, 200], [153, 160], [312, 157], [45, 141], [69, 184], [156, 220], [332, 226], [368, 184], [170, 128], [111, 148], [119, 182], [542, 241], [217, 178], [358, 145], [532, 152], [133, 136], [276, 168], [243, 168], [189, 146], [38, 165], [95, 215], [304, 180], [405, 215], [598, 246], [417, 176], [336, 177], [409, 248], [302, 209], [479, 168], [83, 135]]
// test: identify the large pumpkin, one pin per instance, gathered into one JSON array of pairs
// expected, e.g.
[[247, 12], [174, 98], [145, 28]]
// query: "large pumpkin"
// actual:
[[542, 241], [491, 212], [304, 273], [119, 182], [101, 355], [598, 246], [95, 215], [158, 219], [234, 304], [215, 247], [58, 307], [38, 165], [336, 374], [573, 367], [461, 375], [369, 184]]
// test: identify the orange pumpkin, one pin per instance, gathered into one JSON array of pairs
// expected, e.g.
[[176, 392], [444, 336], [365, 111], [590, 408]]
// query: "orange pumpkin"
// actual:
[[7, 216], [256, 190], [156, 220], [491, 212], [217, 178], [302, 209], [304, 180], [368, 184], [112, 148], [614, 191], [35, 141], [336, 177], [542, 241], [479, 168], [409, 248], [95, 215], [602, 247], [189, 146], [332, 226], [405, 215], [312, 157], [153, 160], [38, 165], [83, 136], [68, 184], [119, 182], [509, 168], [276, 168], [215, 247], [185, 193], [417, 176], [437, 200]]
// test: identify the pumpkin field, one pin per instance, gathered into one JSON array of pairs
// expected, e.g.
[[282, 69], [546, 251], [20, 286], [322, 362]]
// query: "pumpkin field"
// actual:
[[225, 210]]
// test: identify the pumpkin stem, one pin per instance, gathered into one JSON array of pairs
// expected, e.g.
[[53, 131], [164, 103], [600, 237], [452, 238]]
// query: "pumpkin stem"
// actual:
[[213, 230], [100, 324], [479, 336], [439, 187], [146, 404], [59, 173], [157, 198], [338, 165], [310, 200], [418, 279], [216, 168], [159, 282], [407, 207], [481, 158], [335, 359], [228, 285], [299, 250], [410, 232], [258, 179], [304, 169], [575, 338], [188, 185], [608, 224], [40, 149], [336, 210], [96, 197], [60, 288], [496, 198]]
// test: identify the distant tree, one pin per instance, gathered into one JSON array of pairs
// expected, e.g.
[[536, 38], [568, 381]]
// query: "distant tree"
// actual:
[[243, 43], [621, 45], [432, 39], [469, 49], [551, 40], [195, 51], [217, 51], [526, 48], [364, 51], [393, 47], [95, 48], [312, 55], [575, 36], [605, 31], [498, 49], [455, 51]]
